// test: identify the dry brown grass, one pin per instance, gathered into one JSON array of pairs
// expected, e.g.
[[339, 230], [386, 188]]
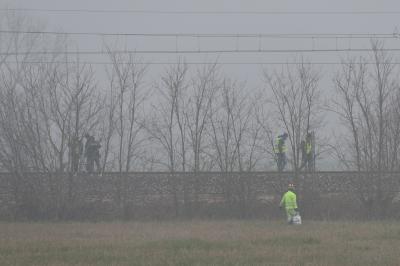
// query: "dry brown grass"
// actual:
[[200, 243]]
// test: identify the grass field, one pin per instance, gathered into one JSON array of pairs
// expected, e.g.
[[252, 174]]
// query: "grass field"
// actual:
[[200, 243]]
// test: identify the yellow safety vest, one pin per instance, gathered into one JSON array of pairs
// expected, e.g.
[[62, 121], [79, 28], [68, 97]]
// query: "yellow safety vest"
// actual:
[[308, 147], [289, 201], [278, 143]]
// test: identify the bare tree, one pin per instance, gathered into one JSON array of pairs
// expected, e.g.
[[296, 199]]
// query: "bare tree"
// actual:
[[234, 129], [124, 112], [129, 73], [202, 91], [296, 101], [25, 120], [235, 137], [13, 150], [109, 124], [167, 126], [221, 117], [263, 119], [176, 80], [72, 105], [367, 103]]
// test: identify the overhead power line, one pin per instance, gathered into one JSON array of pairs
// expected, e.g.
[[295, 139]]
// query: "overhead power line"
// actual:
[[194, 63], [195, 51], [204, 12], [219, 35]]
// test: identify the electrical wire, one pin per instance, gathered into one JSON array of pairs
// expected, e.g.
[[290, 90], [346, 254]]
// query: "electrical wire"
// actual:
[[231, 51], [205, 12], [222, 35], [196, 63]]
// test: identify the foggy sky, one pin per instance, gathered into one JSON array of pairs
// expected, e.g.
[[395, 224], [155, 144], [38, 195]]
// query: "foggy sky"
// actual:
[[216, 23]]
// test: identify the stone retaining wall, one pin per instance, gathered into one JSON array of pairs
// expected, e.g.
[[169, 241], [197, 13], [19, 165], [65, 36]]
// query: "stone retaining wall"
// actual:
[[162, 195]]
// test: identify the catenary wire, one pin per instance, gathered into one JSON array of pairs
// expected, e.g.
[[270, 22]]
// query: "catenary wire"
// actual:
[[219, 35], [195, 51], [204, 12], [196, 63]]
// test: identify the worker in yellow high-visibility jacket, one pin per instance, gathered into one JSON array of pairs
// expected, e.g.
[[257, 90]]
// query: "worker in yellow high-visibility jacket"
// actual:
[[289, 202], [309, 152], [307, 155], [280, 151]]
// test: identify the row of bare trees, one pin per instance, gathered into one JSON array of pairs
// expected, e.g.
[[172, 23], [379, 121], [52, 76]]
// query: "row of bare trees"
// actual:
[[367, 101], [189, 119]]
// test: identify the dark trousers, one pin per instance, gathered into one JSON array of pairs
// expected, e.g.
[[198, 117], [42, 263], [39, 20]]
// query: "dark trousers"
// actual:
[[307, 162], [281, 161], [90, 164], [75, 165]]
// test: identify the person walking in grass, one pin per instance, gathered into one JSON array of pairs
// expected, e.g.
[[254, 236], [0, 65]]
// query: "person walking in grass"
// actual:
[[289, 202]]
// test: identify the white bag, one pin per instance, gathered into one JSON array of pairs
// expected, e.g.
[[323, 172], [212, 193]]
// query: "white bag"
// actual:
[[296, 219]]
